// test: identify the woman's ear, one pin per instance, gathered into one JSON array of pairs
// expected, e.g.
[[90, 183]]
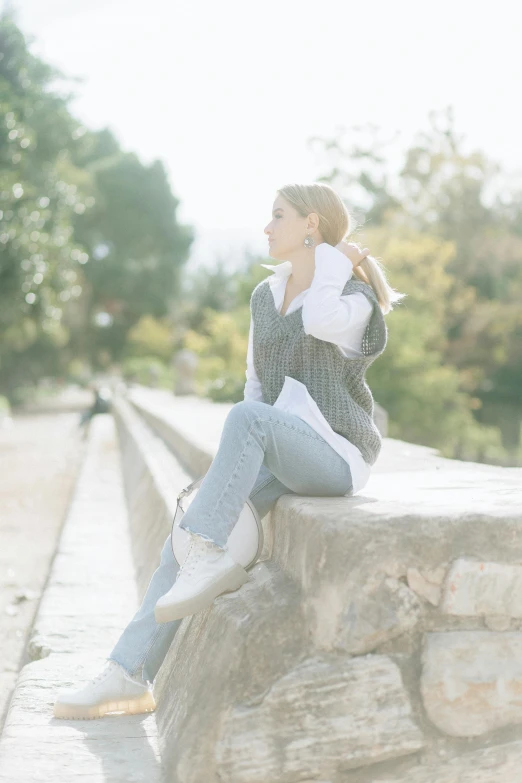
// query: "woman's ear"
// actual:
[[313, 221]]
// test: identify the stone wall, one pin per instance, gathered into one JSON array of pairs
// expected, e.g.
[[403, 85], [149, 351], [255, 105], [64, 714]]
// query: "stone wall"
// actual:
[[378, 639]]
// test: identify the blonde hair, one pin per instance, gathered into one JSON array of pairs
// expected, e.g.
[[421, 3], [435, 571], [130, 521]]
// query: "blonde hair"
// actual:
[[336, 223]]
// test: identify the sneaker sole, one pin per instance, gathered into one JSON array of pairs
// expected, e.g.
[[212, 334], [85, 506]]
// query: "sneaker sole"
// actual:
[[227, 583], [126, 707]]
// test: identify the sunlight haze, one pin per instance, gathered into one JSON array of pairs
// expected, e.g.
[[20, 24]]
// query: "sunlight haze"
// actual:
[[227, 94]]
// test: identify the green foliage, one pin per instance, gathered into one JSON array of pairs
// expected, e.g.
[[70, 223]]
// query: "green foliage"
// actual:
[[148, 371], [422, 395], [91, 255], [77, 371], [136, 246], [89, 241], [461, 198], [221, 345], [151, 337], [40, 193]]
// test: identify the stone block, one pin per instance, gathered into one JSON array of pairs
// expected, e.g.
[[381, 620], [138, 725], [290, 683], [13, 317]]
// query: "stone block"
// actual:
[[475, 587], [376, 614], [329, 714], [471, 681], [422, 586], [497, 764], [498, 622]]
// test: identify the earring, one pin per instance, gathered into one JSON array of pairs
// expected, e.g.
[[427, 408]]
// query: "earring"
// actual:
[[309, 241]]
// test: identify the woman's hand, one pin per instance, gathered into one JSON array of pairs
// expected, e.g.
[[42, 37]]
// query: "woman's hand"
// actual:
[[352, 251]]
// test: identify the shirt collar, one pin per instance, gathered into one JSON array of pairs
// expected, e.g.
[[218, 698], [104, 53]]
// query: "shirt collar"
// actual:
[[281, 270]]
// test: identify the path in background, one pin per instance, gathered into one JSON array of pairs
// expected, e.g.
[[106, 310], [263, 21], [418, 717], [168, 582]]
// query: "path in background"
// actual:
[[40, 455]]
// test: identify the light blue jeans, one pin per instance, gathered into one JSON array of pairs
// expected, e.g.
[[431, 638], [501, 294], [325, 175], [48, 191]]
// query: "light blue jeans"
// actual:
[[263, 453]]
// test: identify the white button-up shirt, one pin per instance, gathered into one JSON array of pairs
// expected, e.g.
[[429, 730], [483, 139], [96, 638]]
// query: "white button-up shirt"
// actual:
[[330, 316]]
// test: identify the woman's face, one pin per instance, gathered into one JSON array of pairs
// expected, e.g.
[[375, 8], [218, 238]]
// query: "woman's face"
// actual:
[[287, 230]]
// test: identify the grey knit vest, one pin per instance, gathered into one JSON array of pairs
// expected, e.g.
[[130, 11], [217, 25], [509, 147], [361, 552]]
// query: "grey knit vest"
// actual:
[[336, 382]]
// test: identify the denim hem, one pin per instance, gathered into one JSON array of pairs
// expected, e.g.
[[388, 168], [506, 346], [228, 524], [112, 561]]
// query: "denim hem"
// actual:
[[203, 535], [140, 665], [123, 666]]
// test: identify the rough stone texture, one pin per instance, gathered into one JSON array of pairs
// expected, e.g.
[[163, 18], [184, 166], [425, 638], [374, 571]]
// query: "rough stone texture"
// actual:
[[475, 587], [92, 573], [498, 764], [421, 585], [435, 576], [498, 622], [335, 578], [337, 546], [329, 714], [368, 617], [472, 680], [378, 530], [230, 654]]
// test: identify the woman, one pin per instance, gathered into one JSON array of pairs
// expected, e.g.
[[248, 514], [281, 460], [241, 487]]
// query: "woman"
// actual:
[[305, 427]]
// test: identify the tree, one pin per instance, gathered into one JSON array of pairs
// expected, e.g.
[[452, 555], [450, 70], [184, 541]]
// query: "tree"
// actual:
[[461, 197], [136, 246], [89, 240], [40, 195]]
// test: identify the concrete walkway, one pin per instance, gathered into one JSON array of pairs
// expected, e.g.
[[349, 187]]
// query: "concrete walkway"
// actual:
[[40, 457], [90, 596]]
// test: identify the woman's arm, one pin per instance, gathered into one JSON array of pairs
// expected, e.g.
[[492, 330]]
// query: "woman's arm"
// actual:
[[327, 314]]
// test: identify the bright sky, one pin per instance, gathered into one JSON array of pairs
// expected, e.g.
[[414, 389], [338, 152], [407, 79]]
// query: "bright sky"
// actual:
[[227, 92]]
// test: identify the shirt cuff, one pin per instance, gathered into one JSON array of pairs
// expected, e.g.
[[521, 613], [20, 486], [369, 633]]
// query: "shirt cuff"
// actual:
[[331, 265]]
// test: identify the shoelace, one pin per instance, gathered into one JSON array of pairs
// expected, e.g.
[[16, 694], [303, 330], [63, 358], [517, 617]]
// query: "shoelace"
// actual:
[[103, 674], [110, 667], [197, 550]]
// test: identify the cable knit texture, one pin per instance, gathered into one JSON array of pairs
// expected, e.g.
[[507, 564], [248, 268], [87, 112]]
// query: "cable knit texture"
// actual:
[[336, 383]]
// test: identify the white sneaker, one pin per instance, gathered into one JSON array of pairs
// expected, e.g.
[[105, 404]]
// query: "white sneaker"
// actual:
[[206, 572], [113, 690]]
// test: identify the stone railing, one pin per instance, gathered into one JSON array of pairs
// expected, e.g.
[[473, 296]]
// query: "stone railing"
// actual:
[[378, 639]]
